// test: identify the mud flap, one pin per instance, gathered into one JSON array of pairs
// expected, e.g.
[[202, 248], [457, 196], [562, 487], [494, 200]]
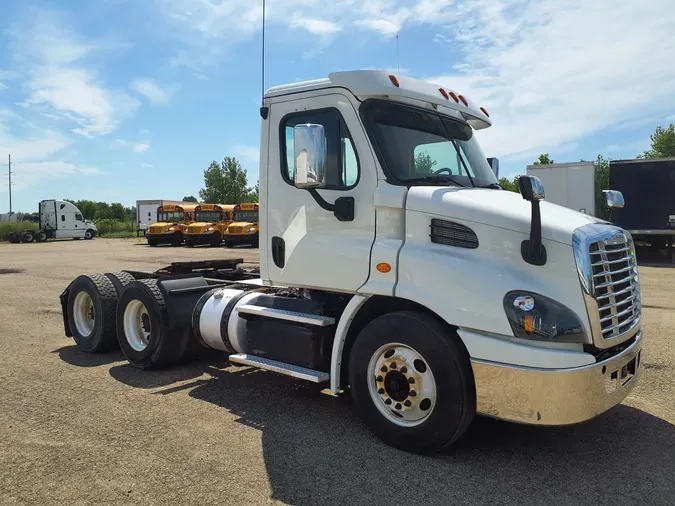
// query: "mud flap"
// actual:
[[64, 310]]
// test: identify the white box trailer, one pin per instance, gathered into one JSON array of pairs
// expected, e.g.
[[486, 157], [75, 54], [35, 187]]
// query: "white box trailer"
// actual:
[[146, 211], [571, 185]]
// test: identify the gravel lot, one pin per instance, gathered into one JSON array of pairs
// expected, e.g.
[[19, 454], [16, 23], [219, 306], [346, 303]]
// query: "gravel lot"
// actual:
[[78, 429]]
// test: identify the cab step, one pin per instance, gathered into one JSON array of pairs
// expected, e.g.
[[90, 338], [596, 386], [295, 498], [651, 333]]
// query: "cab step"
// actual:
[[281, 367], [282, 314]]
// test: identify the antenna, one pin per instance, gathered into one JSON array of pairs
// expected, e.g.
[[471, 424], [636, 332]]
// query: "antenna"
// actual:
[[398, 58], [262, 95]]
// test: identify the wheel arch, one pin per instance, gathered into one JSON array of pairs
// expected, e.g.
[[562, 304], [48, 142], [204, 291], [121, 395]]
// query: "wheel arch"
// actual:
[[361, 310]]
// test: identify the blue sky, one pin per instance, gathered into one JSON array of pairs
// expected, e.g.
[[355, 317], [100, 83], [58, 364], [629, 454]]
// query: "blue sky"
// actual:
[[120, 100]]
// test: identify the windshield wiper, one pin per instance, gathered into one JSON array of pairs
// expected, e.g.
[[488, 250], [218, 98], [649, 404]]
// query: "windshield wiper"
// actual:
[[494, 186], [435, 178]]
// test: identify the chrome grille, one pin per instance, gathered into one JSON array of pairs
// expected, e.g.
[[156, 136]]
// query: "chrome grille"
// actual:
[[615, 284]]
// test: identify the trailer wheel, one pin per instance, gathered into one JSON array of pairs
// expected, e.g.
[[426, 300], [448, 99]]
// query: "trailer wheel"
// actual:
[[412, 382], [27, 236], [91, 313], [40, 236], [14, 237], [144, 332], [119, 280], [89, 234]]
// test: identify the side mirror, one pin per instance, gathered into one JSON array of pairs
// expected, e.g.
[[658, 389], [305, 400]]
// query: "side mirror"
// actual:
[[613, 199], [531, 188], [310, 153], [494, 165], [532, 250]]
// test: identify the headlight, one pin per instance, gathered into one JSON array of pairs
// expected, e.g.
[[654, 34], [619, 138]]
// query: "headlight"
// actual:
[[539, 318], [171, 229], [210, 229]]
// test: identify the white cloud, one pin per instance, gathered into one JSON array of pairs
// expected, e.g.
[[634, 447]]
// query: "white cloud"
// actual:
[[151, 90], [32, 173], [51, 63], [136, 147], [314, 26], [551, 73], [147, 165], [141, 148]]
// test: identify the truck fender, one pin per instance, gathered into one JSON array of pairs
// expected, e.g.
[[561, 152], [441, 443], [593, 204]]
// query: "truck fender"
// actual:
[[64, 310], [346, 319]]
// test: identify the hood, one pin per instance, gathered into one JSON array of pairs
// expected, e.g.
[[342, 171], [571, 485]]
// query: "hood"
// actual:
[[238, 227], [497, 208], [202, 224], [161, 226]]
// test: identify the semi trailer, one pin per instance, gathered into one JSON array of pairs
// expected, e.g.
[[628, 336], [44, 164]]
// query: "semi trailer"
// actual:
[[568, 184], [428, 296]]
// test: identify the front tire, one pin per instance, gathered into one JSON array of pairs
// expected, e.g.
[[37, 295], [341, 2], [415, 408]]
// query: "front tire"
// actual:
[[412, 382], [144, 331], [89, 234]]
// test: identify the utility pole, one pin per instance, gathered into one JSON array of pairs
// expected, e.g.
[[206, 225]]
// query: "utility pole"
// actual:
[[9, 174]]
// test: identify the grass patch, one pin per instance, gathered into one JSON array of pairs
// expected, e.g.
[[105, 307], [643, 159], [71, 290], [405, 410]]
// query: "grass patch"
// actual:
[[118, 235]]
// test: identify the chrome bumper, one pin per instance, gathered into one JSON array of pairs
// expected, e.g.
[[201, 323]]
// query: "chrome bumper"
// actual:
[[556, 396]]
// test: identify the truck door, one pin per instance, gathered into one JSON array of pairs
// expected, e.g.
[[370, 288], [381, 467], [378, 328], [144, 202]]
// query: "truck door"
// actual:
[[307, 245]]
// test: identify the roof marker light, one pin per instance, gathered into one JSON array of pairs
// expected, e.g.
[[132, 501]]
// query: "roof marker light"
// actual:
[[484, 111], [444, 93], [454, 96], [393, 80], [461, 97]]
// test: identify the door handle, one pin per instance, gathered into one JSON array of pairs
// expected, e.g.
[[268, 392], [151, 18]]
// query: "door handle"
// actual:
[[278, 252]]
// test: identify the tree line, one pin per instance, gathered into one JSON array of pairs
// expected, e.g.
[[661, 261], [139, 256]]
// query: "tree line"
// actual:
[[662, 146]]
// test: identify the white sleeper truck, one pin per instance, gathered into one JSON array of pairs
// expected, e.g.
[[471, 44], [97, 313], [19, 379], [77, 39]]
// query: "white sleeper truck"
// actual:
[[394, 267], [59, 219]]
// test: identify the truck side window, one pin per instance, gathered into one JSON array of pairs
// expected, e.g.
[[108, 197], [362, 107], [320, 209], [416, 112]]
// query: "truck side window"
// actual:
[[78, 217], [342, 171]]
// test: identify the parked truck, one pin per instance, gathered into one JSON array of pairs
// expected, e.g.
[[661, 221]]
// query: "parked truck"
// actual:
[[58, 219], [429, 296], [210, 225], [649, 189], [568, 184], [172, 222], [244, 228]]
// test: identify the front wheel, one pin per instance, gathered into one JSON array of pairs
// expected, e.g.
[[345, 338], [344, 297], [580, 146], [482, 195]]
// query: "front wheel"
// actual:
[[412, 382], [89, 234]]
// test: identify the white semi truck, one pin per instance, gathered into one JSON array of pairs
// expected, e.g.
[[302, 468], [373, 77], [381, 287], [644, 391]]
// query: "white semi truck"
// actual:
[[59, 219], [426, 291]]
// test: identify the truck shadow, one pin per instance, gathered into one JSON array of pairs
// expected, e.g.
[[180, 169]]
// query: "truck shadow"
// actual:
[[74, 356], [316, 451]]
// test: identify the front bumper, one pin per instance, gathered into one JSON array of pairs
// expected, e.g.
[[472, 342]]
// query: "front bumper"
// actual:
[[164, 237], [556, 396], [199, 238]]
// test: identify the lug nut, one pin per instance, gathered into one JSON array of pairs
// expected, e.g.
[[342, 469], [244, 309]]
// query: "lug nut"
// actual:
[[404, 369], [398, 405], [412, 393], [411, 380], [393, 365], [380, 391], [378, 378], [408, 403], [387, 401], [383, 368]]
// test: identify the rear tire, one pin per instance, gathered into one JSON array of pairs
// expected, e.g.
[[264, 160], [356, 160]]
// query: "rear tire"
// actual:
[[119, 280], [420, 398], [40, 236], [91, 306], [144, 331], [27, 236], [14, 237]]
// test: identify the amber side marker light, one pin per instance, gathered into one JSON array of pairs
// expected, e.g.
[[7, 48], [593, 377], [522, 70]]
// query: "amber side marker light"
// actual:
[[383, 267], [454, 96], [394, 80], [444, 93], [461, 97], [484, 111]]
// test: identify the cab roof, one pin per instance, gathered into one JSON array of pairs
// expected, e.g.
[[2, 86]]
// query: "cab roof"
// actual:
[[366, 84]]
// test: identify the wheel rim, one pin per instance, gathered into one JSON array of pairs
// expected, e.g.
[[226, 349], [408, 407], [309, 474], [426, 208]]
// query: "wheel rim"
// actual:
[[84, 314], [401, 384], [137, 326]]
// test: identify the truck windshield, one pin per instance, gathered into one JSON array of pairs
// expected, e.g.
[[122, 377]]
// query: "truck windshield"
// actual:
[[208, 216], [418, 146], [250, 216], [170, 216]]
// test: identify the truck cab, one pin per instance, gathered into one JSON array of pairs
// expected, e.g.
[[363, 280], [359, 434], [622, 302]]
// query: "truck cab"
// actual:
[[394, 267], [60, 219], [211, 222], [244, 228], [172, 222]]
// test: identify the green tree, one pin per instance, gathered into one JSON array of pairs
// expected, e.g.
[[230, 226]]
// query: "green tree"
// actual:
[[190, 198], [225, 183], [663, 143], [117, 212], [510, 185], [255, 193], [543, 160], [424, 163]]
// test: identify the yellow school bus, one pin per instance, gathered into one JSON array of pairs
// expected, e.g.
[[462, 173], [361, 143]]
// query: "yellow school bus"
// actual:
[[211, 221], [172, 221], [245, 227]]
